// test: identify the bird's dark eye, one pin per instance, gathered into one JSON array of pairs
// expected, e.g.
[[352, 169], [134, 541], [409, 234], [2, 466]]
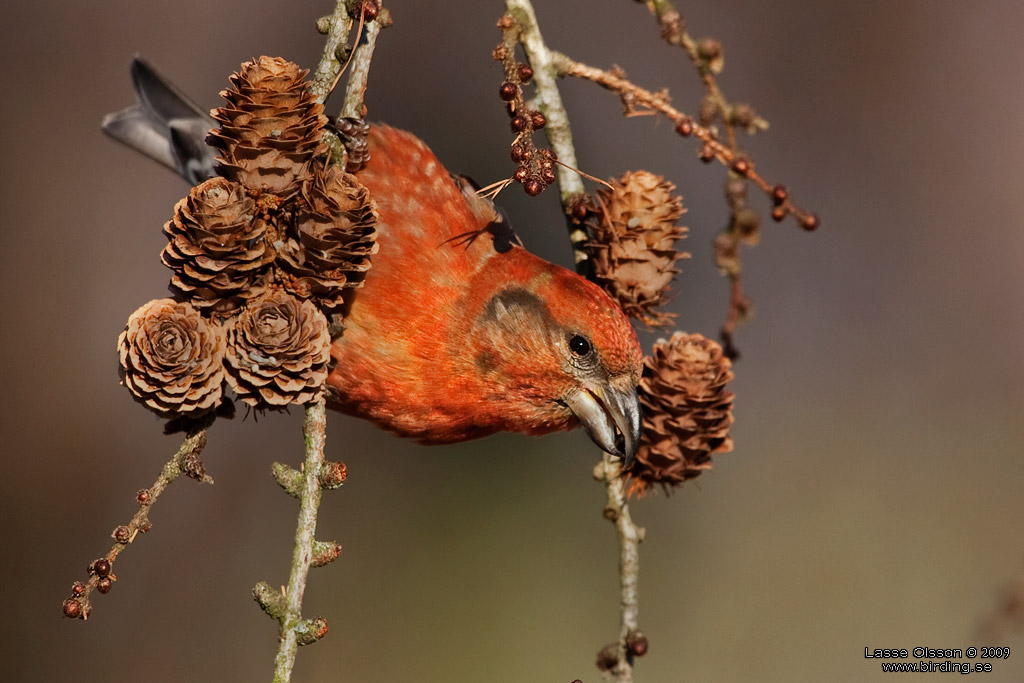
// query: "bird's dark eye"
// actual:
[[579, 345]]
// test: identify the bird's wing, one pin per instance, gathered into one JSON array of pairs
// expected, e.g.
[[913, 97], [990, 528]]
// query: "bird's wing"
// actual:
[[134, 128], [400, 323], [162, 99], [427, 216], [165, 125]]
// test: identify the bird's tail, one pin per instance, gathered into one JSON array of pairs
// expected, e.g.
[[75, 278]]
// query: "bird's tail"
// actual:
[[165, 125]]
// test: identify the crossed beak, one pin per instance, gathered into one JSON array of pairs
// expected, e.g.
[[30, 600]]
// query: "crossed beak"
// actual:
[[611, 416]]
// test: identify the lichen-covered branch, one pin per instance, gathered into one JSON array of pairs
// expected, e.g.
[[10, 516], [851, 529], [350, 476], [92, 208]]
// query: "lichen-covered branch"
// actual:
[[336, 27], [370, 18], [288, 609], [617, 659], [317, 473], [101, 575], [360, 66]]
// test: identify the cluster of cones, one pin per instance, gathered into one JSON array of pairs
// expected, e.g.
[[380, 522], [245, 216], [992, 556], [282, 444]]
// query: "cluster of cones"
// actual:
[[259, 253], [257, 256], [687, 410]]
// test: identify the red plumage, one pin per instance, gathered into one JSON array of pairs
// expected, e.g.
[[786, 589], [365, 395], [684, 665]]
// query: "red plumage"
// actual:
[[458, 331], [421, 354]]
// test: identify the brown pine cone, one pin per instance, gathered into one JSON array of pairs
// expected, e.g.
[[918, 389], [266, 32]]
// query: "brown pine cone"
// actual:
[[277, 351], [172, 359], [633, 247], [686, 411], [270, 128], [332, 240], [217, 248], [353, 134]]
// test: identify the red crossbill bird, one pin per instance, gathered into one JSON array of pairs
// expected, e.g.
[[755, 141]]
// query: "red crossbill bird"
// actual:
[[450, 337]]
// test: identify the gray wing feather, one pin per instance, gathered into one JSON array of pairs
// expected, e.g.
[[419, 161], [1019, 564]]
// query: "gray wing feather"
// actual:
[[133, 127], [160, 97], [196, 160], [165, 125]]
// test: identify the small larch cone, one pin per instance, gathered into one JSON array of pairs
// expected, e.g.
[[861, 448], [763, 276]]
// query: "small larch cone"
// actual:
[[353, 134], [277, 351], [633, 246], [172, 359], [270, 128], [687, 411], [333, 237], [216, 247]]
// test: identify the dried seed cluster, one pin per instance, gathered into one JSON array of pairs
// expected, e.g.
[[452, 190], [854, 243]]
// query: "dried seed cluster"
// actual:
[[253, 254], [101, 577], [535, 169]]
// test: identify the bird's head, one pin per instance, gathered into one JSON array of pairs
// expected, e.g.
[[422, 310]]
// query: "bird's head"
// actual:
[[556, 350]]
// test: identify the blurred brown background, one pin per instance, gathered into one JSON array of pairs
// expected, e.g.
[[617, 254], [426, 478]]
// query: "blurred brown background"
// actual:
[[873, 498]]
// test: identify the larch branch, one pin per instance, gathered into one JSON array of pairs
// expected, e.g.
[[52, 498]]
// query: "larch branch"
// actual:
[[185, 460], [360, 66], [557, 128], [336, 27], [289, 610], [629, 535]]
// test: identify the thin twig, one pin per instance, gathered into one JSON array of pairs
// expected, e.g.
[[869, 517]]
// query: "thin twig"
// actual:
[[673, 31], [633, 96], [314, 430], [609, 470], [336, 27], [317, 474], [187, 461], [706, 57], [360, 66], [557, 127], [739, 307]]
